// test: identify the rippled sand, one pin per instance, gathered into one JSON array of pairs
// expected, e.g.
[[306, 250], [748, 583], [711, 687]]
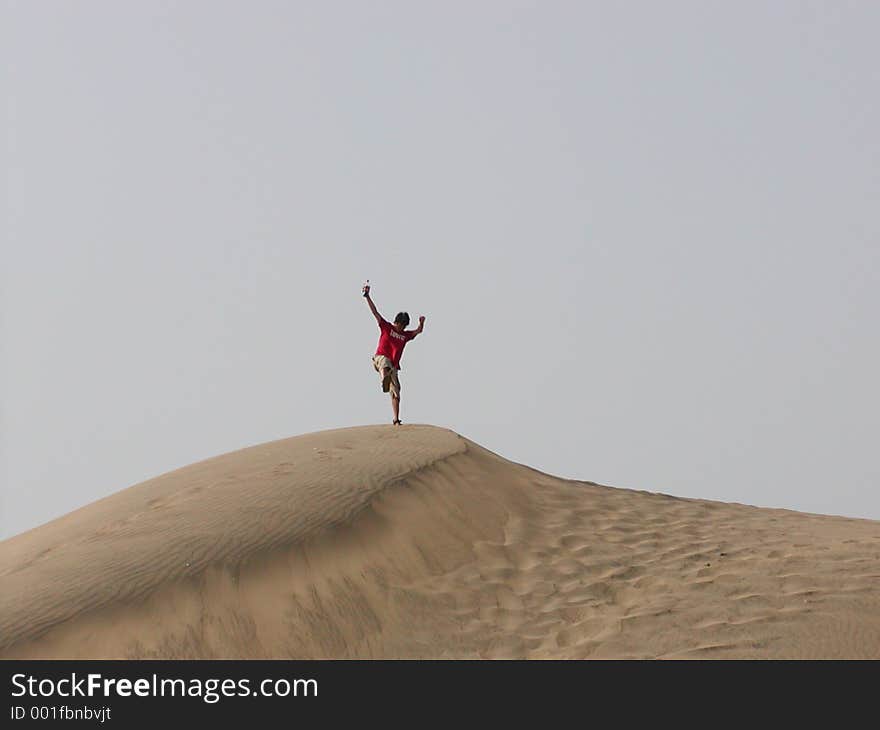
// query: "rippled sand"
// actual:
[[414, 542]]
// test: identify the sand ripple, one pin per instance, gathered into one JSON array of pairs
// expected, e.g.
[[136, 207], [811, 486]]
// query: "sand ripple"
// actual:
[[377, 542]]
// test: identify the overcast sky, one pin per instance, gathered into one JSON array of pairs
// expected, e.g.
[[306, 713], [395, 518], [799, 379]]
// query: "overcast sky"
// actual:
[[644, 235]]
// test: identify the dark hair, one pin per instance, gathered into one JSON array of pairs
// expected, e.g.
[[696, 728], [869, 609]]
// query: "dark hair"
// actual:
[[402, 318]]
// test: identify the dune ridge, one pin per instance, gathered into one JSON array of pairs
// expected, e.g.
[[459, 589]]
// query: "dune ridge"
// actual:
[[415, 542]]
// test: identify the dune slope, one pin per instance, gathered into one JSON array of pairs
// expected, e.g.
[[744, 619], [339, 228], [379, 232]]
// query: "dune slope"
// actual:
[[414, 542]]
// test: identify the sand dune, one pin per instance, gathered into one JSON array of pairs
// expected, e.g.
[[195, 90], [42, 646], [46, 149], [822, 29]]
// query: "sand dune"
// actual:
[[414, 542]]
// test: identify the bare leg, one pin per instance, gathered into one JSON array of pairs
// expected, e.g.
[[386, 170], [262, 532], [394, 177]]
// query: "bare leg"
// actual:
[[395, 406]]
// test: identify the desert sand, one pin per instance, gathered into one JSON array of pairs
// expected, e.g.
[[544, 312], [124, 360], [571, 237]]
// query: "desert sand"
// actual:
[[415, 542]]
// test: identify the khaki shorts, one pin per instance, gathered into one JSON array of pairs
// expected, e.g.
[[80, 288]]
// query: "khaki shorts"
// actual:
[[380, 362]]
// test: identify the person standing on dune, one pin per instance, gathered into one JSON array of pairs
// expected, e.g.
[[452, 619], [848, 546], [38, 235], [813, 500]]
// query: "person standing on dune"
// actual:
[[392, 340]]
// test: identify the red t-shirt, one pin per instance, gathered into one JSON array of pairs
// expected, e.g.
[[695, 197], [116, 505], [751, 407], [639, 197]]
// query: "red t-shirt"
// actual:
[[392, 342]]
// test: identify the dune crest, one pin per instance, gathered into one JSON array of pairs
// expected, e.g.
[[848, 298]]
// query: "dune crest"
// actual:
[[414, 542]]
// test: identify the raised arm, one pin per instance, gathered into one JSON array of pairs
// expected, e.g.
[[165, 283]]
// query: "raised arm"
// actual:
[[419, 329], [379, 317]]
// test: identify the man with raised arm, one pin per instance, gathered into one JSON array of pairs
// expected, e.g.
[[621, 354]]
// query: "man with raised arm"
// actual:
[[392, 340]]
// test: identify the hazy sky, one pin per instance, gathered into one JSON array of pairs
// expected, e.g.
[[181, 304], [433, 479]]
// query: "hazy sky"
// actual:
[[645, 237]]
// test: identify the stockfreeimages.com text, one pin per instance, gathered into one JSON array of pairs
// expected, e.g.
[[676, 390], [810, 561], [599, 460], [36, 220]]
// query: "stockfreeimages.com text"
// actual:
[[210, 690]]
